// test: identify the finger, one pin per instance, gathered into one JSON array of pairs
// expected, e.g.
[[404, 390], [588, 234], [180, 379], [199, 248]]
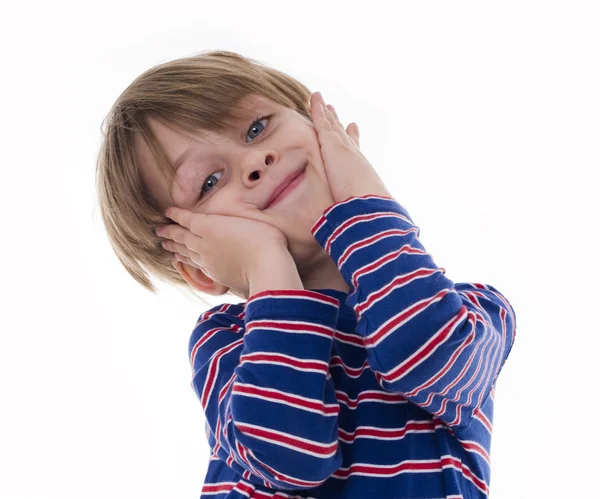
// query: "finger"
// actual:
[[325, 128], [335, 119], [181, 235], [178, 258], [186, 254], [335, 115], [187, 229], [336, 124], [185, 259], [195, 222], [321, 123], [332, 118], [182, 249], [353, 132]]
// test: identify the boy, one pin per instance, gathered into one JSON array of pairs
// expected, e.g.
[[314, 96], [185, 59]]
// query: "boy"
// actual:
[[354, 368]]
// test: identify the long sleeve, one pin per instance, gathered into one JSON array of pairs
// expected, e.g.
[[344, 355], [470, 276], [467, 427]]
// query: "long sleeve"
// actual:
[[439, 344], [262, 377]]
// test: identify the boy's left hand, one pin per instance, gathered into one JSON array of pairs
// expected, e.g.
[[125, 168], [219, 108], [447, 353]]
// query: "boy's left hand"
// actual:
[[348, 171]]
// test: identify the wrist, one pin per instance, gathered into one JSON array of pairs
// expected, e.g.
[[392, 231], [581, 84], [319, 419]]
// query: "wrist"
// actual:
[[275, 271]]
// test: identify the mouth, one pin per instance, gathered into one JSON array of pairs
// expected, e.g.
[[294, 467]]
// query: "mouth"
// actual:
[[287, 186]]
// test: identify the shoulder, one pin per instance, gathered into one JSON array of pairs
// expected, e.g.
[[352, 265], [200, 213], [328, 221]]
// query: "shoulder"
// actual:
[[215, 328]]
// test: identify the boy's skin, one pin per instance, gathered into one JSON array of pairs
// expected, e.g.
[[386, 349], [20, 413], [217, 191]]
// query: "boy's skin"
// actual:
[[248, 166]]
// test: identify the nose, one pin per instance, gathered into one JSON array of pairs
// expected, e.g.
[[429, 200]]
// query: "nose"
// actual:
[[258, 166]]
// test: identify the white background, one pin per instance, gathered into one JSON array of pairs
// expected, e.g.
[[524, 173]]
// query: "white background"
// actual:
[[483, 118]]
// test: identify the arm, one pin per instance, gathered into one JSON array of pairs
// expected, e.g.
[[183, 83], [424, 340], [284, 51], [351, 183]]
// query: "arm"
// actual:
[[262, 377], [440, 345], [278, 272]]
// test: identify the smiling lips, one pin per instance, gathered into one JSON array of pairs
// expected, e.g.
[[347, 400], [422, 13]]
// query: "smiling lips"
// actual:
[[286, 182]]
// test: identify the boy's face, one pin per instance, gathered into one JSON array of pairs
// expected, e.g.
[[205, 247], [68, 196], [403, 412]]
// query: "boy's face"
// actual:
[[247, 166]]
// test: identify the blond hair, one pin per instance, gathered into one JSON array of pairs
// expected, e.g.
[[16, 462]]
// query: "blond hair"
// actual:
[[192, 93]]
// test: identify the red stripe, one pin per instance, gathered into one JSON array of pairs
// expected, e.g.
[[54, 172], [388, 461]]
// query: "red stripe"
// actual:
[[211, 376], [396, 283], [293, 293], [323, 450], [388, 470], [368, 396], [442, 371], [458, 465], [373, 239], [294, 326], [320, 406], [268, 357], [431, 346], [386, 433], [374, 338]]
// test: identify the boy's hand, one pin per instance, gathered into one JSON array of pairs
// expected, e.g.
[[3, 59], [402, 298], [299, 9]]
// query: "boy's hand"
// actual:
[[348, 171], [228, 249]]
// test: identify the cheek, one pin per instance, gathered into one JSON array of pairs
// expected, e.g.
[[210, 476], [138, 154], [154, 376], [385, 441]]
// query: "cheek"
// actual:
[[314, 149], [308, 140]]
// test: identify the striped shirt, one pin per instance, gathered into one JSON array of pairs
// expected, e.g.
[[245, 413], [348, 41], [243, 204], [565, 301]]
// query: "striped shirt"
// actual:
[[382, 392]]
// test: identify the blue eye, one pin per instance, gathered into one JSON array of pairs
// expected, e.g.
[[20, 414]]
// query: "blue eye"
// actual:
[[253, 127], [258, 129], [205, 183]]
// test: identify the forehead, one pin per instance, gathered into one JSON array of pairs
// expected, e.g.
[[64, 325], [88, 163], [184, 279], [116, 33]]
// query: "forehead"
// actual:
[[251, 102], [172, 138]]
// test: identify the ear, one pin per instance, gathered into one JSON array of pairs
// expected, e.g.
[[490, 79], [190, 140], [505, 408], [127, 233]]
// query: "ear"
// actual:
[[199, 280]]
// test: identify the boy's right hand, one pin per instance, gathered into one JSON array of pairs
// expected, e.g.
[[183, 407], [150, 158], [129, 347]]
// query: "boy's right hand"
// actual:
[[228, 249]]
